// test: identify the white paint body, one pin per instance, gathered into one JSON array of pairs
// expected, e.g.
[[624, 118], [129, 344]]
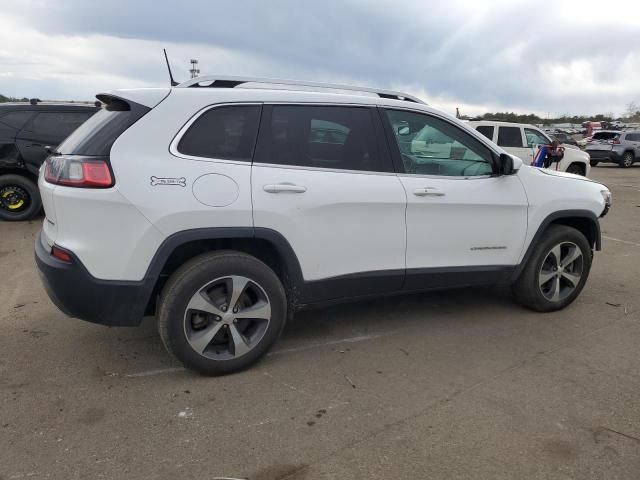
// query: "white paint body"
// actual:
[[343, 222], [526, 153]]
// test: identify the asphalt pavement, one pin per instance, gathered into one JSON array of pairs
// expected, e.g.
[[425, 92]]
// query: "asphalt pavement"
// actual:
[[460, 384]]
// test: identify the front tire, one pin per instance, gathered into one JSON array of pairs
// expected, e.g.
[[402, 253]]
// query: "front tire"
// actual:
[[556, 272], [627, 160], [221, 312], [19, 198]]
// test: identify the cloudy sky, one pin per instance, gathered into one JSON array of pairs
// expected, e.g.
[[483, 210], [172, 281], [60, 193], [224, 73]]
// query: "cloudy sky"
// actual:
[[544, 56]]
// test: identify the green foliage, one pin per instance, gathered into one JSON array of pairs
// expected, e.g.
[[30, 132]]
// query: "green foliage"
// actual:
[[4, 99]]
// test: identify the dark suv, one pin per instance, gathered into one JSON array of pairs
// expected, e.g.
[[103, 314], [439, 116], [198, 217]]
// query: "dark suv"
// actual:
[[26, 130]]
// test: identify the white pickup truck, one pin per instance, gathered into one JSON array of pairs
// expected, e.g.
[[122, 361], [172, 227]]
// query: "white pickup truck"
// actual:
[[522, 140]]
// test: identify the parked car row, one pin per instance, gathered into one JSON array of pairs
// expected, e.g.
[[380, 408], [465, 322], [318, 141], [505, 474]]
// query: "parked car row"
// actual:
[[523, 140]]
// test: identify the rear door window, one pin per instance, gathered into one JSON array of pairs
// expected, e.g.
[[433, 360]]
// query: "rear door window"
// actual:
[[510, 137], [633, 137], [227, 132], [486, 130], [321, 137]]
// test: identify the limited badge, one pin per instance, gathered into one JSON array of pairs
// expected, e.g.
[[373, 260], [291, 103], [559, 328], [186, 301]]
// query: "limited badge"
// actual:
[[182, 182]]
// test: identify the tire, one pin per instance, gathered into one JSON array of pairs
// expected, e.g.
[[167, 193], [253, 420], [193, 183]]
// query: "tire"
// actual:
[[214, 341], [594, 163], [576, 169], [627, 160], [531, 289], [19, 198]]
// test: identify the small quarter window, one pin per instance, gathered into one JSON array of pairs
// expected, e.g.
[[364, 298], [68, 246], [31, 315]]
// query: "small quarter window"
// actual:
[[509, 137], [227, 132]]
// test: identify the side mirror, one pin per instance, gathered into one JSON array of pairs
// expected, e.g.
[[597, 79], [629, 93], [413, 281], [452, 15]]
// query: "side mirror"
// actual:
[[508, 165]]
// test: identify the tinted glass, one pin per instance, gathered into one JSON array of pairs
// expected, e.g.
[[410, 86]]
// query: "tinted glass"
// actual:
[[15, 119], [431, 146], [322, 137], [486, 130], [509, 137], [223, 132], [605, 135], [534, 137], [96, 135], [633, 137], [57, 124]]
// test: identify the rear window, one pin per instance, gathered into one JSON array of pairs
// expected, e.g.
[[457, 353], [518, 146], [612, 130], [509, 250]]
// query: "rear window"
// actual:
[[605, 135], [486, 130], [57, 125], [96, 135], [223, 132], [509, 137]]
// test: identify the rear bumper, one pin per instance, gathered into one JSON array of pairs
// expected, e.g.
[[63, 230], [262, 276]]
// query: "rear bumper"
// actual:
[[78, 294]]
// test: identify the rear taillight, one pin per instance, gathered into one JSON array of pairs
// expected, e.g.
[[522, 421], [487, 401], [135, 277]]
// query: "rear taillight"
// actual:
[[76, 171], [61, 254], [615, 141]]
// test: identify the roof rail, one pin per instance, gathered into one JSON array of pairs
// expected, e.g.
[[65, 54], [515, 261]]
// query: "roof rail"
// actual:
[[215, 81]]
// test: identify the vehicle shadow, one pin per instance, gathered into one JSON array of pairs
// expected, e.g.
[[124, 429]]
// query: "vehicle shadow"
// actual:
[[343, 322]]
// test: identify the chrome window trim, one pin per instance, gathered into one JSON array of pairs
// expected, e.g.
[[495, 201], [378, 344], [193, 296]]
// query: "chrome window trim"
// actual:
[[322, 169]]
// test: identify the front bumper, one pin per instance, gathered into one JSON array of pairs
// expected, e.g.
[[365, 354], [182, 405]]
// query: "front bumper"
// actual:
[[78, 294]]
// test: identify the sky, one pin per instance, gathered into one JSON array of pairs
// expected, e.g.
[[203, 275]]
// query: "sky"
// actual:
[[546, 57]]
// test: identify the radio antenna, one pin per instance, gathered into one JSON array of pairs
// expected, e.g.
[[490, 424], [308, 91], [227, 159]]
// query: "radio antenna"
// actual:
[[173, 82]]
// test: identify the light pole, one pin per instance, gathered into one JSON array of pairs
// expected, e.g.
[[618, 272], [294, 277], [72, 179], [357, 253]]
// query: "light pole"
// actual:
[[195, 71]]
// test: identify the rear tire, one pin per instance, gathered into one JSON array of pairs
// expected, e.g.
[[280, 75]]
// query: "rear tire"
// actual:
[[627, 160], [576, 169], [594, 163], [220, 312], [19, 198], [556, 272]]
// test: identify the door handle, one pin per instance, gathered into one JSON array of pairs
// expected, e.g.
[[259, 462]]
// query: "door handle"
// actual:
[[284, 188], [33, 145], [428, 192]]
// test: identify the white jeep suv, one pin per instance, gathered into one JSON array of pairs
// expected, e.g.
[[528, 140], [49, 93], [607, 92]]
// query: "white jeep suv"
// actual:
[[223, 205], [522, 140]]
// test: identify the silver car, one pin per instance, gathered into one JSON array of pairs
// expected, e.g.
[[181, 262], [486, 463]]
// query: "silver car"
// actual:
[[614, 146]]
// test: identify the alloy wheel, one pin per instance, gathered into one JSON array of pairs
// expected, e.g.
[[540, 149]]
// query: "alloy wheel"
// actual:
[[561, 271], [14, 199], [227, 318]]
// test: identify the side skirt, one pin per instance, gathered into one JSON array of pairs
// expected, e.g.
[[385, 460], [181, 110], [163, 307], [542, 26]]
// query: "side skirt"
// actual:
[[364, 285]]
